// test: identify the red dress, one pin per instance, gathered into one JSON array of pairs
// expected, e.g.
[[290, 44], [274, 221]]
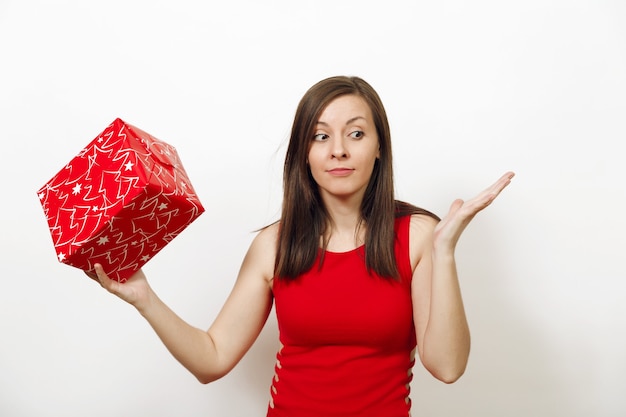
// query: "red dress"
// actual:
[[348, 339]]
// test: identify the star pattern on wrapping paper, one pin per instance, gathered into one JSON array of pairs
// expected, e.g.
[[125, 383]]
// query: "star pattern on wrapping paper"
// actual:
[[99, 185]]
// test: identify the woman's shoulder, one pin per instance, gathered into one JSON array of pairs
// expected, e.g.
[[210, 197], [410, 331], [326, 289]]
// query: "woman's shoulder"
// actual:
[[404, 209], [262, 251], [267, 237], [421, 226]]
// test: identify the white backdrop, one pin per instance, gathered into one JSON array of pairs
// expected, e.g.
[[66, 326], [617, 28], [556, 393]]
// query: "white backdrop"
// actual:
[[472, 89]]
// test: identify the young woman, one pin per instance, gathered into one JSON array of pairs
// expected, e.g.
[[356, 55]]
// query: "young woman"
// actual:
[[360, 281]]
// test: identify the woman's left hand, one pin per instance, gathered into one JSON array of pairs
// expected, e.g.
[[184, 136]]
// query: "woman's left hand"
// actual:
[[450, 228]]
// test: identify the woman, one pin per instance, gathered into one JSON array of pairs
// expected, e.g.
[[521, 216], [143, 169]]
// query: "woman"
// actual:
[[359, 280]]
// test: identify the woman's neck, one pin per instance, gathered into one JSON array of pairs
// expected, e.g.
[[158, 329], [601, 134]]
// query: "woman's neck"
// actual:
[[346, 230]]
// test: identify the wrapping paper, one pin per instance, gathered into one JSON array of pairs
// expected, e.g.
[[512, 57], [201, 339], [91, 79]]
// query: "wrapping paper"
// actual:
[[121, 200]]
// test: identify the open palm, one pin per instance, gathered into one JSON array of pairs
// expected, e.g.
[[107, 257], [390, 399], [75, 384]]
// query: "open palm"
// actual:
[[449, 230]]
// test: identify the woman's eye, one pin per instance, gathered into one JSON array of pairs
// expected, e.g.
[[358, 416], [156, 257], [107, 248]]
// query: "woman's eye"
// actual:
[[320, 136], [357, 134]]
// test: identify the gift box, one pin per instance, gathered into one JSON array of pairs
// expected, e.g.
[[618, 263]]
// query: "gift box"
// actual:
[[120, 201]]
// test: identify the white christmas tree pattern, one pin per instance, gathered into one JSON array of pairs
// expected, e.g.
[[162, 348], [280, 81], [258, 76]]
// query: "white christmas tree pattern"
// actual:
[[119, 201]]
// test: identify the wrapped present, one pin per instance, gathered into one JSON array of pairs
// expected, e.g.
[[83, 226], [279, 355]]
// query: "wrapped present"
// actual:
[[118, 202]]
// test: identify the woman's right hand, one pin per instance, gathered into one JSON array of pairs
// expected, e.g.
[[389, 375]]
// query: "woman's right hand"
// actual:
[[135, 290]]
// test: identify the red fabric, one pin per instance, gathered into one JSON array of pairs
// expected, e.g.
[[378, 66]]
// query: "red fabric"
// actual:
[[348, 339]]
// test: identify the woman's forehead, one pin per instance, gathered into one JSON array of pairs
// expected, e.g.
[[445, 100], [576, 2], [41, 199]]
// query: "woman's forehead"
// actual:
[[346, 109]]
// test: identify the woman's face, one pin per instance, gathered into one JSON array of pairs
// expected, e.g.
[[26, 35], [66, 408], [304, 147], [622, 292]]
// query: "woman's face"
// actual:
[[344, 149]]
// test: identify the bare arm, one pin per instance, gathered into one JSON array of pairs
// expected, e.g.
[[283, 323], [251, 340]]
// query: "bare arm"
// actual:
[[210, 354], [440, 322]]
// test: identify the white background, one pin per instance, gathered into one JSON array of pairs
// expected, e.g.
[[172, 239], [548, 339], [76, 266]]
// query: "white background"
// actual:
[[472, 89]]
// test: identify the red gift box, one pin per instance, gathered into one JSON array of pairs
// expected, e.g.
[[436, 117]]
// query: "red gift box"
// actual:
[[118, 202]]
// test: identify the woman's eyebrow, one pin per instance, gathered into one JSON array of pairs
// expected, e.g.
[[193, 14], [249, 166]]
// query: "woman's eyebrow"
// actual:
[[352, 120]]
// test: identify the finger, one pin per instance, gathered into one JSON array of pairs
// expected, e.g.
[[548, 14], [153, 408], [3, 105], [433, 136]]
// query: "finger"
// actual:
[[490, 194], [104, 279], [455, 206], [457, 213], [503, 181], [92, 275]]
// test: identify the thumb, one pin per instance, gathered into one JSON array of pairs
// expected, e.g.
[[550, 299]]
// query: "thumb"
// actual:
[[107, 283], [455, 206]]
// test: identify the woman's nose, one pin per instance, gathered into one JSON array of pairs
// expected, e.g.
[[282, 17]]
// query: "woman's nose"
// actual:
[[339, 150]]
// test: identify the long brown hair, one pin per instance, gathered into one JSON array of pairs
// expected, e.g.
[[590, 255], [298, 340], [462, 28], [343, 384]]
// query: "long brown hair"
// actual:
[[304, 217]]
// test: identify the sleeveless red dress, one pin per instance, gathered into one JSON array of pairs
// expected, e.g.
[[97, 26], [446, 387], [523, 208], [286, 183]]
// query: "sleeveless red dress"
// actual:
[[348, 339]]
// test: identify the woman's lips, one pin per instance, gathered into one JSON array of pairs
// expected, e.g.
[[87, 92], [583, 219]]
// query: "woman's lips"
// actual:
[[340, 172]]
